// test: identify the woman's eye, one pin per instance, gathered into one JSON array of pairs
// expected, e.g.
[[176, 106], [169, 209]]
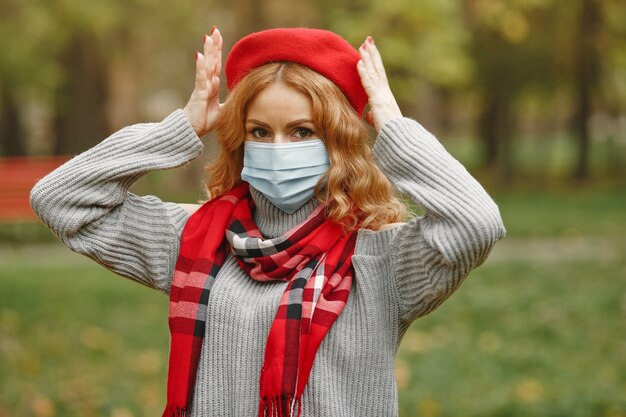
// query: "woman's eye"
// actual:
[[303, 132], [259, 132]]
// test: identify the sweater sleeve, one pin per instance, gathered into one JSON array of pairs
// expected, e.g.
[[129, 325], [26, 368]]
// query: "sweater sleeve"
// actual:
[[87, 205], [432, 254]]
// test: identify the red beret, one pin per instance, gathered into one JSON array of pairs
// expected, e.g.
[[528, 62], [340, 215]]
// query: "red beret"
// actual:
[[321, 50]]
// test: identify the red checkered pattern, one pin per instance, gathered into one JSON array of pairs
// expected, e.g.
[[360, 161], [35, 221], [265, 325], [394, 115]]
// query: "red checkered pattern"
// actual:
[[315, 258]]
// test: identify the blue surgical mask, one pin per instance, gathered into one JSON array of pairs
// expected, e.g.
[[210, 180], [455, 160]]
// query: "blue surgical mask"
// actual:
[[286, 173]]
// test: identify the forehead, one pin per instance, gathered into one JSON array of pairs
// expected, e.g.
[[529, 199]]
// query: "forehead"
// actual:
[[280, 101]]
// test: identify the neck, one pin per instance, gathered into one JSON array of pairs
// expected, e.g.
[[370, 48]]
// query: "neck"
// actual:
[[272, 221]]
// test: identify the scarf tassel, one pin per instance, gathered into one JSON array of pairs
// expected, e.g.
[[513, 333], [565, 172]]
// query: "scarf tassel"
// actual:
[[172, 411], [275, 406]]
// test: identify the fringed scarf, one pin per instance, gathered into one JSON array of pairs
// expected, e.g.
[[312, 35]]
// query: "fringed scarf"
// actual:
[[315, 258]]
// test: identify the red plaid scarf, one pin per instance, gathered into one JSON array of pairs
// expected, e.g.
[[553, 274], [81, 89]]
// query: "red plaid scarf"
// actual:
[[315, 258]]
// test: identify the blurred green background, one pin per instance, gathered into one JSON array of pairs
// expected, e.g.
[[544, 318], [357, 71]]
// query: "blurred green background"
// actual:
[[530, 95]]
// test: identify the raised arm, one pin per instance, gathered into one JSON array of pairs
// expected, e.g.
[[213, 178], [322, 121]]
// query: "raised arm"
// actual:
[[430, 255], [86, 203]]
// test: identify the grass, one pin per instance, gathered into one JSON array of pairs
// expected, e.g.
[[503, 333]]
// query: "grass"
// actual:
[[522, 339], [566, 212], [532, 332], [77, 340]]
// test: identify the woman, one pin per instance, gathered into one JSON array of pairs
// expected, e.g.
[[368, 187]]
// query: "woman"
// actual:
[[290, 291]]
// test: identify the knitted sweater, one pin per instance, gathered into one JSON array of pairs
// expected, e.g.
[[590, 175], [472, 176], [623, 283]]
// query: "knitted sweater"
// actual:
[[401, 273]]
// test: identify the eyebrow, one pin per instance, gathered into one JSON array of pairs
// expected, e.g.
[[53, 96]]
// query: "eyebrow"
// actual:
[[290, 124]]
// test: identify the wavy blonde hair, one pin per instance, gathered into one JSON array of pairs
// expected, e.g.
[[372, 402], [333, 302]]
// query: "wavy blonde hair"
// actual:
[[355, 192]]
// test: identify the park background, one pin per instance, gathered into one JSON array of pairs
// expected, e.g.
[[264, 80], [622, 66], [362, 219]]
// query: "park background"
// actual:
[[530, 95]]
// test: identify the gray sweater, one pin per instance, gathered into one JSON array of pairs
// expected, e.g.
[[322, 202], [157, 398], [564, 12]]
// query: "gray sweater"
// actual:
[[401, 273]]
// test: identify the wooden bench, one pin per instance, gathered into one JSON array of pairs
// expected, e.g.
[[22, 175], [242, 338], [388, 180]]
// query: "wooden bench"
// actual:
[[18, 175]]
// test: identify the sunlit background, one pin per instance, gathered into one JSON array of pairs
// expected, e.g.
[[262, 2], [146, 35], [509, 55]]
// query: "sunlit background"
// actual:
[[530, 95]]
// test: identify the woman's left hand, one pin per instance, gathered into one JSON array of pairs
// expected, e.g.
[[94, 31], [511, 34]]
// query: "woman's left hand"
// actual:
[[383, 105]]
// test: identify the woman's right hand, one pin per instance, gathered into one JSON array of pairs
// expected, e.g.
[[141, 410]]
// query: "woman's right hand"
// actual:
[[204, 104]]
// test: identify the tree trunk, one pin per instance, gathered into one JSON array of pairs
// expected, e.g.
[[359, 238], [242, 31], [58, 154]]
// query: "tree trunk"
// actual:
[[11, 132], [587, 67], [250, 17], [81, 117], [488, 132], [495, 133]]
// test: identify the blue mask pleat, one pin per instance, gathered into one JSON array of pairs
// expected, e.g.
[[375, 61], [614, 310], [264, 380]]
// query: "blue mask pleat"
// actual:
[[285, 173], [285, 156]]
